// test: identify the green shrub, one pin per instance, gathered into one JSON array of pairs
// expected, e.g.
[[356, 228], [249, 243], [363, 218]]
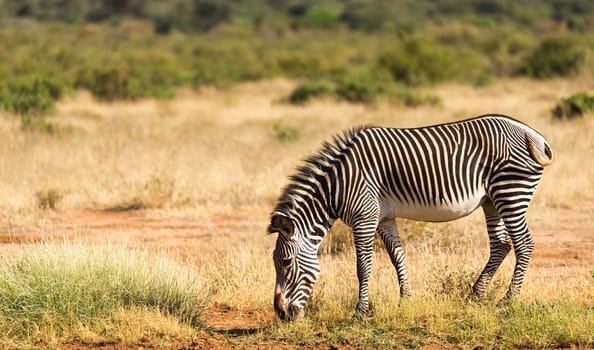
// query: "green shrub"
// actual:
[[226, 64], [366, 15], [30, 95], [359, 89], [308, 90], [130, 76], [319, 16], [420, 61], [109, 83], [209, 13], [574, 106], [483, 79], [554, 57], [299, 64]]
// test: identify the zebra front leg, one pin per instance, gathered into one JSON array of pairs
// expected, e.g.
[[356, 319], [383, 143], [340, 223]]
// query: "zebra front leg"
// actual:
[[389, 233], [500, 245], [364, 250]]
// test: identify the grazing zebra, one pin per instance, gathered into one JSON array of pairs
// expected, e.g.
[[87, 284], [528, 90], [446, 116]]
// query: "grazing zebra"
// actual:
[[370, 175]]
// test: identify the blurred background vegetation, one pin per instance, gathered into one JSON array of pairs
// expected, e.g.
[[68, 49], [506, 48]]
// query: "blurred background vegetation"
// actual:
[[356, 50]]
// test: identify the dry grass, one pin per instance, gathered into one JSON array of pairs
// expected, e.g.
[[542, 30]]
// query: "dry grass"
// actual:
[[215, 152]]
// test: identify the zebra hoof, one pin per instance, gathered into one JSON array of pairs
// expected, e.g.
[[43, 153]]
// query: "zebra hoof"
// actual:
[[362, 317], [474, 298], [504, 302], [362, 314], [404, 298]]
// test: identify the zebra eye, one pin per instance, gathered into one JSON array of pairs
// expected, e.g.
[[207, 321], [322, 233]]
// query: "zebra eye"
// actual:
[[287, 262]]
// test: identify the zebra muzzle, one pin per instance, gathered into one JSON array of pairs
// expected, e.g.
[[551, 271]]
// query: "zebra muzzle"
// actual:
[[280, 307], [284, 312]]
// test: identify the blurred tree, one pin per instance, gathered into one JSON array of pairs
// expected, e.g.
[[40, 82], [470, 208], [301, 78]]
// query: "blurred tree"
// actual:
[[368, 15], [65, 10], [210, 13], [574, 13], [129, 7]]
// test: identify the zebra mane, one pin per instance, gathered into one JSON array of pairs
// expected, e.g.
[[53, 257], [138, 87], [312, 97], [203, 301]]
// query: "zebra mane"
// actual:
[[316, 166]]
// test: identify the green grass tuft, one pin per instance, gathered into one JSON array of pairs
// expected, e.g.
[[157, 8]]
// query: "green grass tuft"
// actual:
[[59, 292]]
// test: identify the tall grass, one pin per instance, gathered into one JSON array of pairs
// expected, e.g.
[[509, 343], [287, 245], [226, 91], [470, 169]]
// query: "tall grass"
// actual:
[[72, 291]]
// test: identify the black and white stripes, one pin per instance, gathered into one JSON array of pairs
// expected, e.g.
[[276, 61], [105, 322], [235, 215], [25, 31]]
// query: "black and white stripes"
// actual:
[[370, 175]]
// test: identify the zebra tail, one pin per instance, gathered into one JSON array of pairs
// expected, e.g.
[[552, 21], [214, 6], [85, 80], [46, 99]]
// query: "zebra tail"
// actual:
[[540, 150]]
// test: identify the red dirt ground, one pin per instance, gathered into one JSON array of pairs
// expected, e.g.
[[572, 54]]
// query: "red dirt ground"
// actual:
[[564, 245]]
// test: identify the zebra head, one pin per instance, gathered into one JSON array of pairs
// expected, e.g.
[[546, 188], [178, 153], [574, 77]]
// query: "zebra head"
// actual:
[[297, 267]]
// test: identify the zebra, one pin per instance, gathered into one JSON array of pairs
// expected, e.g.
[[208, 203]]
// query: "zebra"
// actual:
[[367, 176]]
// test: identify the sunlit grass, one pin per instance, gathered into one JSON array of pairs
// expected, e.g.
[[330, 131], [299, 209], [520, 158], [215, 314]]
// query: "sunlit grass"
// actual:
[[56, 292], [438, 313], [217, 152]]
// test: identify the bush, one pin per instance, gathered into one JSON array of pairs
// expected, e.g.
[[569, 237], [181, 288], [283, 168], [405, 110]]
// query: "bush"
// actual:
[[366, 15], [226, 64], [109, 83], [130, 76], [321, 17], [210, 13], [308, 90], [574, 106], [30, 95], [300, 64], [362, 89], [554, 57], [359, 89], [419, 61]]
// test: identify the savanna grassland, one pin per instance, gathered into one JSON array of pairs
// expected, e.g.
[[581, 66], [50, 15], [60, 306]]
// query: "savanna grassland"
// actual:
[[141, 152], [187, 184]]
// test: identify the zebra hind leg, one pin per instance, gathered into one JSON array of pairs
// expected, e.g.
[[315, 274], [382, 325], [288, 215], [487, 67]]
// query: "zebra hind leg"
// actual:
[[499, 244], [523, 247], [389, 233], [513, 214]]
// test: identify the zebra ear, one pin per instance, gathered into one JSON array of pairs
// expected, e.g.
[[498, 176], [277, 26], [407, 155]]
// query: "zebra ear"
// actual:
[[283, 225]]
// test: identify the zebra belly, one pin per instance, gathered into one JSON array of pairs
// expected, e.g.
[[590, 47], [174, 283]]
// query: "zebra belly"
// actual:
[[445, 211]]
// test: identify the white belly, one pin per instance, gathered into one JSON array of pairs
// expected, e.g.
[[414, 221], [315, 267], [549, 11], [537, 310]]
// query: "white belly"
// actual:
[[444, 212]]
